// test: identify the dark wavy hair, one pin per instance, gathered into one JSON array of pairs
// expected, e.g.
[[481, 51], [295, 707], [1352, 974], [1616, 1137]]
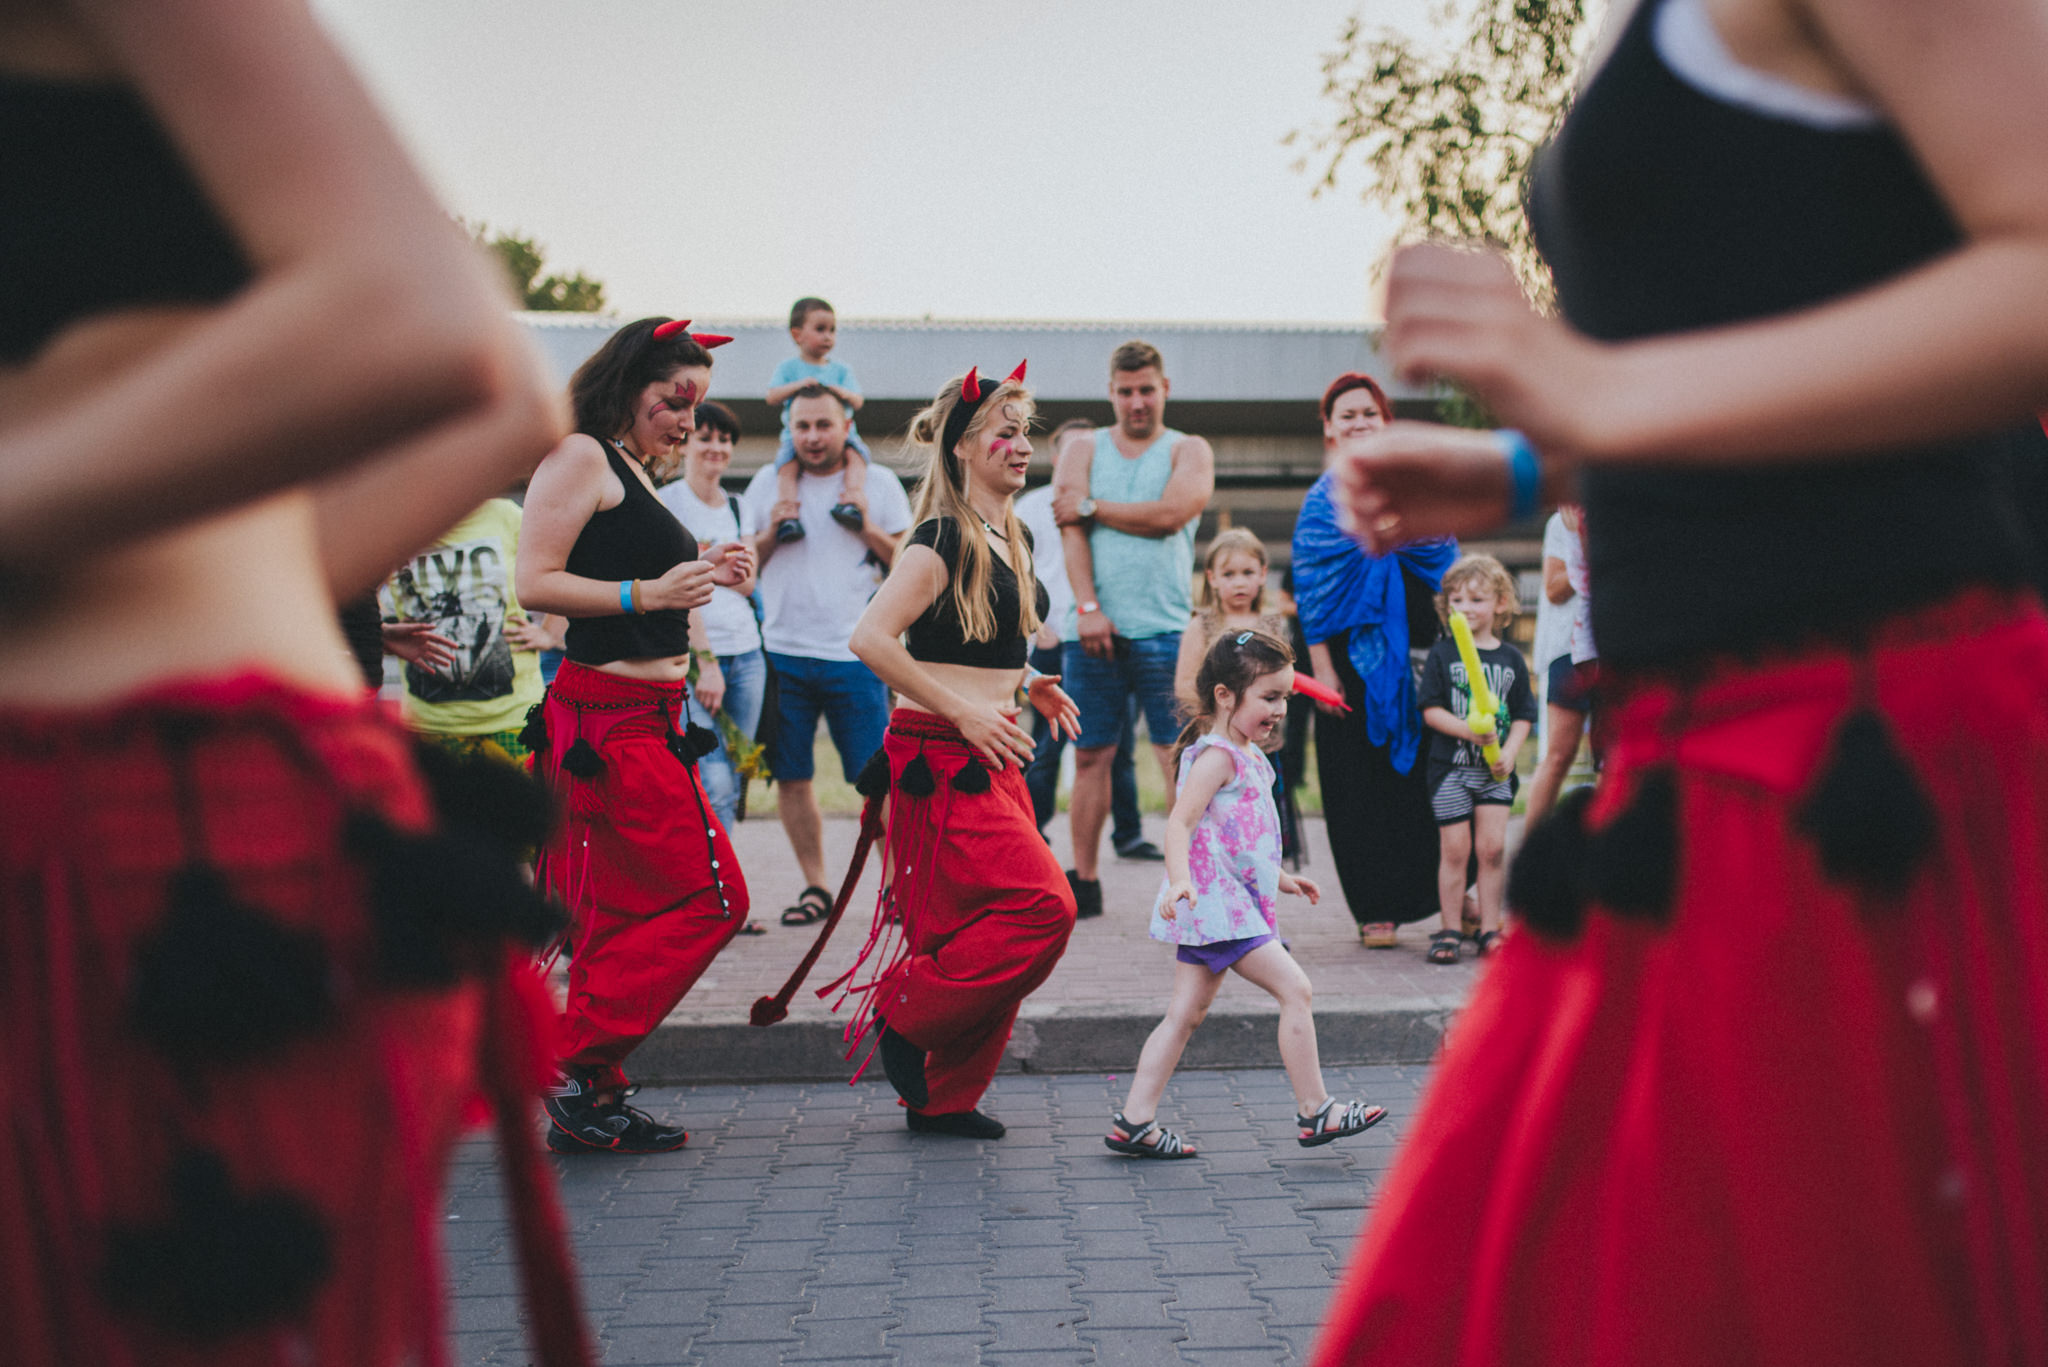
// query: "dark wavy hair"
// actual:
[[604, 388]]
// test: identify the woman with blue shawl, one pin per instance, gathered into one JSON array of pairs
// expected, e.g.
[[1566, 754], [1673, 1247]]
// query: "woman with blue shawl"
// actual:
[[1363, 614]]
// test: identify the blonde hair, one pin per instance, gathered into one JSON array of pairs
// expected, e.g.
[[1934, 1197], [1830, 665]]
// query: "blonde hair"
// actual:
[[942, 493], [1488, 572], [1233, 541]]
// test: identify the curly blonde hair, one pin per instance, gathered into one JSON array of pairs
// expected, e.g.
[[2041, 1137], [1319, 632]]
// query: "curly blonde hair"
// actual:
[[1487, 572]]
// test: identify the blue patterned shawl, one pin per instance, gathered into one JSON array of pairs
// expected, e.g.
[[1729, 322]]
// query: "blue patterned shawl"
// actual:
[[1340, 587]]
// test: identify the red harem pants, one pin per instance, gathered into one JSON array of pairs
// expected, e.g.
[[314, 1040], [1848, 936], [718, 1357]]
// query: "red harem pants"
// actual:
[[1795, 1126], [98, 811], [648, 874], [986, 911]]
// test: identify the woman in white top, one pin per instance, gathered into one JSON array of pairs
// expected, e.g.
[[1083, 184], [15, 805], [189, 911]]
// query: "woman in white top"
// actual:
[[732, 632]]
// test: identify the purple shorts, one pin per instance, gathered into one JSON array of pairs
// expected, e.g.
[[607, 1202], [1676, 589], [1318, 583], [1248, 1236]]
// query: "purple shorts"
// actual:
[[1221, 954]]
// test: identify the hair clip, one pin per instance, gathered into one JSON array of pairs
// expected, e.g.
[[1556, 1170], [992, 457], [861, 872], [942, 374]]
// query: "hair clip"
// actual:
[[1245, 636]]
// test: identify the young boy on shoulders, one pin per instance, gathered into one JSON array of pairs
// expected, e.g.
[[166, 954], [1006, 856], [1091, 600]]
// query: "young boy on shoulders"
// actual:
[[814, 327]]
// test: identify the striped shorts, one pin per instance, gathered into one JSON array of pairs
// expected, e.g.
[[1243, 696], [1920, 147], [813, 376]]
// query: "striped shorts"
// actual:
[[1463, 789]]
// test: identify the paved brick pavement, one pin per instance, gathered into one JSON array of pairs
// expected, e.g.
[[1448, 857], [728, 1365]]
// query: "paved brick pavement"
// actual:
[[804, 1224]]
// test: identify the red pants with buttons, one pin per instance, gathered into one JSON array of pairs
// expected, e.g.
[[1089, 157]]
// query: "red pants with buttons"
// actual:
[[986, 911], [642, 863]]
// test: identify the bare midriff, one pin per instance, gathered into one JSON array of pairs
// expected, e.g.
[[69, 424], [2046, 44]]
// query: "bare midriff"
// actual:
[[242, 590], [997, 687]]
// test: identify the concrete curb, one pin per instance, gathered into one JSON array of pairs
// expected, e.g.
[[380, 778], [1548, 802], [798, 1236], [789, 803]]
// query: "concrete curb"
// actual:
[[681, 1053]]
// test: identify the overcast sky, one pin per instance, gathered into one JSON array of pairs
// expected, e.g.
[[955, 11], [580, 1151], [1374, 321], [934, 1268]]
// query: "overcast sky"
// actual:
[[1062, 159]]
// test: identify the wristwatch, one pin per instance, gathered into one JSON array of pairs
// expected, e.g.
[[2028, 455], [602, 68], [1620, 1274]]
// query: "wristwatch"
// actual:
[[1091, 606], [1085, 509]]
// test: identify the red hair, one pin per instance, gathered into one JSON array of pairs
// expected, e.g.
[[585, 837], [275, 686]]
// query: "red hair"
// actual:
[[1350, 380]]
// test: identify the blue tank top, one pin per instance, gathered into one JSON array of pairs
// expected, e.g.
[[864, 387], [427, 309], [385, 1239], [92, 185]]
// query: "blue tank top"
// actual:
[[1144, 583]]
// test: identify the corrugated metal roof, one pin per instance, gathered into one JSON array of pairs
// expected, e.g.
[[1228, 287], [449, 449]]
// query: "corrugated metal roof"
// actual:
[[911, 358]]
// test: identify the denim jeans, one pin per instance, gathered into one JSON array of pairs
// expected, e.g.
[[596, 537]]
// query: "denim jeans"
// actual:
[[1042, 776], [1140, 670], [853, 702], [746, 676]]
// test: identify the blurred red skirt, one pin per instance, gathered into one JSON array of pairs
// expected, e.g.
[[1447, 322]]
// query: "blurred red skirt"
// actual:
[[352, 1122], [1794, 1127]]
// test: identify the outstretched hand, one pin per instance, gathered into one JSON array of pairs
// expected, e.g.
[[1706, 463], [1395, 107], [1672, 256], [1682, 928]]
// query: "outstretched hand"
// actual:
[[1060, 711]]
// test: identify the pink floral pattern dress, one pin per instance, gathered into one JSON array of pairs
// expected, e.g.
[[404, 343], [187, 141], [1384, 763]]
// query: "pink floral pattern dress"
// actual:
[[1233, 856]]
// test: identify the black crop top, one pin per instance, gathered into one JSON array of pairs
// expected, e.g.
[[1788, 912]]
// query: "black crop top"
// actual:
[[1661, 209], [638, 539], [936, 637], [101, 213]]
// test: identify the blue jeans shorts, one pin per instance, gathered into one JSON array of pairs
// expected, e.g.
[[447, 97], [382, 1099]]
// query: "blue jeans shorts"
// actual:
[[1141, 669], [854, 703]]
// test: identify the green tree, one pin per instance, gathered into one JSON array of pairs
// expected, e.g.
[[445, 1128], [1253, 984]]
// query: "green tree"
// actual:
[[524, 260], [1445, 130]]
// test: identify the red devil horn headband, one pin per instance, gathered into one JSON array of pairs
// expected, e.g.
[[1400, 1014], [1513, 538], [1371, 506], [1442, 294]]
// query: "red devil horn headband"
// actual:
[[707, 340], [973, 389]]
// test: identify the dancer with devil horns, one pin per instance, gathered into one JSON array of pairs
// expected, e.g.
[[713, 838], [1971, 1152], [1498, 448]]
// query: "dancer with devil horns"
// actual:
[[653, 890], [975, 910], [261, 959]]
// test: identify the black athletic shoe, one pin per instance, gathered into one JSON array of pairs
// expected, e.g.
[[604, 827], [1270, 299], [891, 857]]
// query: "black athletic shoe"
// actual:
[[642, 1133], [576, 1123], [1140, 849], [788, 530], [959, 1124], [849, 516], [1087, 895], [903, 1065]]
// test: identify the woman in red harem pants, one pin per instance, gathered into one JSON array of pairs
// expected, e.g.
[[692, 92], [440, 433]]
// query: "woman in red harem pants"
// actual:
[[648, 874], [980, 903], [241, 1025]]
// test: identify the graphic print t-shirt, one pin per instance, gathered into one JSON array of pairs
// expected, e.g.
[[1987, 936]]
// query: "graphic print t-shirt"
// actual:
[[463, 585], [1445, 685]]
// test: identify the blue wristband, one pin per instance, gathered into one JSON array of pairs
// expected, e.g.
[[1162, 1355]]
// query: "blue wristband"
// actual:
[[1523, 470], [626, 596]]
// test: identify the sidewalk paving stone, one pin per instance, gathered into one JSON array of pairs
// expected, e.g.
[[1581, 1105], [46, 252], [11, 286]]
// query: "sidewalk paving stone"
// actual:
[[806, 1225]]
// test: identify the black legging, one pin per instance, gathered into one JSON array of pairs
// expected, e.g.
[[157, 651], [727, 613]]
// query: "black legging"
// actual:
[[1382, 832]]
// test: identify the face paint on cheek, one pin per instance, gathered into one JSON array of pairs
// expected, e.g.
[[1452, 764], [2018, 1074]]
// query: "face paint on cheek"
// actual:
[[1000, 448]]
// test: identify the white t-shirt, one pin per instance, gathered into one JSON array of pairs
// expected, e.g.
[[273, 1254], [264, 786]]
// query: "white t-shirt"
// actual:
[[729, 626], [1048, 556], [1554, 620], [814, 590], [1583, 648]]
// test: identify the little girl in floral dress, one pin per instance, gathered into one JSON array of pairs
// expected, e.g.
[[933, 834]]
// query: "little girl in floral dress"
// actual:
[[1218, 901]]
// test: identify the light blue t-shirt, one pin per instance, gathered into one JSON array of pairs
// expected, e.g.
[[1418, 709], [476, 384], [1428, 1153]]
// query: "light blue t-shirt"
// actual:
[[796, 368], [1144, 583]]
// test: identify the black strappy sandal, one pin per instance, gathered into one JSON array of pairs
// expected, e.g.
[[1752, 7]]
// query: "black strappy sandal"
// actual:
[[813, 905], [1490, 942], [1332, 1121], [1167, 1146], [1443, 946]]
